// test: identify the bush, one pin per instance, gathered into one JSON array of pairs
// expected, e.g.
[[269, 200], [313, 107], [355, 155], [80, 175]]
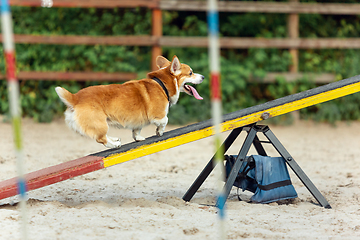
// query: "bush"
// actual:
[[40, 101]]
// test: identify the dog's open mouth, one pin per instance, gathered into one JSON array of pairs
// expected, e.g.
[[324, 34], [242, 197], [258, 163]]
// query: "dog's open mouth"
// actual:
[[192, 92]]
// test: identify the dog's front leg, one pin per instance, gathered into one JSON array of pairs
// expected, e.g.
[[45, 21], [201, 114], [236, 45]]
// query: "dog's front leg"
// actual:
[[136, 135], [161, 124]]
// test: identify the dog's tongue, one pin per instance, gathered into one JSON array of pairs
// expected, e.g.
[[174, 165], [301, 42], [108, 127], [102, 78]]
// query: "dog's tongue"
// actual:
[[195, 93]]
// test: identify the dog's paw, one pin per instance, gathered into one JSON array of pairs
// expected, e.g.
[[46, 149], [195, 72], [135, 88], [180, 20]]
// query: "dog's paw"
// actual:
[[117, 144], [139, 138], [159, 133], [113, 142], [114, 139]]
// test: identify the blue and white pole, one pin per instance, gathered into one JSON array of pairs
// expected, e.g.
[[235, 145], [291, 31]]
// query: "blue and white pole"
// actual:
[[214, 53], [13, 91]]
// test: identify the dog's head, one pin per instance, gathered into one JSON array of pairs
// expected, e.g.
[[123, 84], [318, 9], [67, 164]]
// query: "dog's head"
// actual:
[[183, 74]]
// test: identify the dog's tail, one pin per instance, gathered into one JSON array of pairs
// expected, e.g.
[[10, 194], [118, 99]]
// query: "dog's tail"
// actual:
[[65, 96]]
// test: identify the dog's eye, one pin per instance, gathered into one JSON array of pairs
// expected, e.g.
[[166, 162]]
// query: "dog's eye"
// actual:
[[191, 73]]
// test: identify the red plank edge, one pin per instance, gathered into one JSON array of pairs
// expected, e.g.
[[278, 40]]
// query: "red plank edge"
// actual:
[[51, 175]]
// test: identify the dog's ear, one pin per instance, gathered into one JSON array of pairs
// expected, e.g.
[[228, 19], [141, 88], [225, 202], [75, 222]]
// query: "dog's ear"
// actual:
[[175, 66], [162, 62]]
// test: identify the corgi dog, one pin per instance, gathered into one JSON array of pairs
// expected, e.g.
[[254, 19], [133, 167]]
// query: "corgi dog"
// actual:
[[133, 104]]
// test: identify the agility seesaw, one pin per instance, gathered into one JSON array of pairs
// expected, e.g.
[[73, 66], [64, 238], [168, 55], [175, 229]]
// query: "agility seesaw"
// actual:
[[235, 121]]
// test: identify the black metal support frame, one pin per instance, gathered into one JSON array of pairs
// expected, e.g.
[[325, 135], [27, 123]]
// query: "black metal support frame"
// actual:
[[252, 139]]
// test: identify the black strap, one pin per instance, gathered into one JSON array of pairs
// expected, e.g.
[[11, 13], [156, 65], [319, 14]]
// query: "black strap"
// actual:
[[274, 185], [249, 165], [163, 87]]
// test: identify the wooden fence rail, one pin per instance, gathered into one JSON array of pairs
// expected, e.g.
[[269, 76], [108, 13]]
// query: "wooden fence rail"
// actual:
[[265, 7], [224, 6], [79, 76], [90, 3], [170, 41], [156, 40]]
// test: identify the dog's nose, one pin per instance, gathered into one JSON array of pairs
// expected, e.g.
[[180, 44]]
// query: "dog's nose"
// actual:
[[202, 77]]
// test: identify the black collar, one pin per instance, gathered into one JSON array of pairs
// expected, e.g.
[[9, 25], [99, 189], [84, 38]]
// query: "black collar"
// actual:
[[163, 87]]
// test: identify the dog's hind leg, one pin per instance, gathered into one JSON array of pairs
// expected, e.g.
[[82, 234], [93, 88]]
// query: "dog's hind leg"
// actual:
[[110, 142], [136, 135], [95, 126]]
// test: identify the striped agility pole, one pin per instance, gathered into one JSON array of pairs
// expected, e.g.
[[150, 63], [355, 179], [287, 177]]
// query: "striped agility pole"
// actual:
[[13, 91], [214, 52]]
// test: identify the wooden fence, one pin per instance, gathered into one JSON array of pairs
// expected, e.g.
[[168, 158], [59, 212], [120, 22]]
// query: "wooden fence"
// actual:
[[156, 40]]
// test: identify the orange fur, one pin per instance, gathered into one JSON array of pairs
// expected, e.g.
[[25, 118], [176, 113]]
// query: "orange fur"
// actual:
[[133, 104]]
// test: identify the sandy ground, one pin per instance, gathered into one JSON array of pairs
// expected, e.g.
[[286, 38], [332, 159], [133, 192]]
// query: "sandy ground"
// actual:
[[142, 199]]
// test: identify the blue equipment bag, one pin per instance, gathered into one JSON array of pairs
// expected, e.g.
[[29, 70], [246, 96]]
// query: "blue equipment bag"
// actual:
[[267, 177]]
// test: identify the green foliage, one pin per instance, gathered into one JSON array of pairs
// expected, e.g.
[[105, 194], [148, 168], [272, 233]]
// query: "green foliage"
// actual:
[[81, 21], [238, 66]]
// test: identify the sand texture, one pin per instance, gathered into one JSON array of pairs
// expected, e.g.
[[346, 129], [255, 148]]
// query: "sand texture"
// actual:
[[142, 198]]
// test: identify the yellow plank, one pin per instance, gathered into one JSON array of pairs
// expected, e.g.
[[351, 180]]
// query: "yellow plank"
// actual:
[[229, 125], [156, 147], [293, 106]]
